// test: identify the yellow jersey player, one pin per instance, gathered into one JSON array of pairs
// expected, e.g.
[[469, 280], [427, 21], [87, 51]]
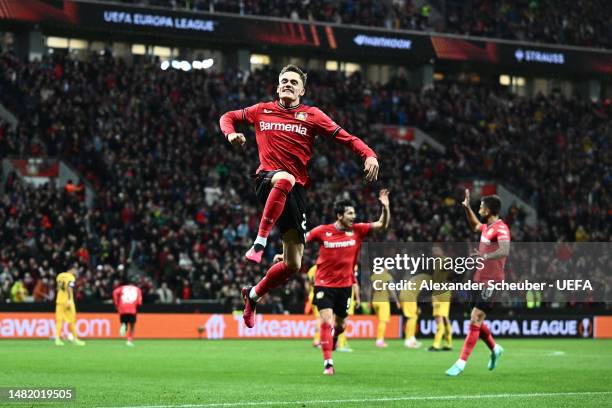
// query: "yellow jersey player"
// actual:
[[64, 306], [381, 305], [440, 302], [311, 307], [410, 310]]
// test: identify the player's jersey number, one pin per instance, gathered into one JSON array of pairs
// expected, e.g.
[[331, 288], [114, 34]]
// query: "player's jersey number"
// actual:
[[129, 295], [304, 225]]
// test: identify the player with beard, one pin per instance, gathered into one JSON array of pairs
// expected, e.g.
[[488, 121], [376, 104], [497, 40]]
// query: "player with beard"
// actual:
[[494, 248], [339, 245]]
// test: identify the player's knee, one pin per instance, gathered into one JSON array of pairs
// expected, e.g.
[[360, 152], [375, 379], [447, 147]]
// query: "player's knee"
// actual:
[[478, 313], [477, 318], [283, 175], [327, 317], [289, 177]]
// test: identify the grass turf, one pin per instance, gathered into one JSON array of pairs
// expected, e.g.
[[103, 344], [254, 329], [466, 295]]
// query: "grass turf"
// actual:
[[280, 373]]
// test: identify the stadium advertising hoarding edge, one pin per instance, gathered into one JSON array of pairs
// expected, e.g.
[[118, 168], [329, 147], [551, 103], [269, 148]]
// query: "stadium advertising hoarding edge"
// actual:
[[228, 326], [333, 40], [185, 326]]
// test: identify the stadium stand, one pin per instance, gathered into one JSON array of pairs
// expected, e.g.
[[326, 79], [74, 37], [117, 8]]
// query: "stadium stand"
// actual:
[[171, 192], [582, 23]]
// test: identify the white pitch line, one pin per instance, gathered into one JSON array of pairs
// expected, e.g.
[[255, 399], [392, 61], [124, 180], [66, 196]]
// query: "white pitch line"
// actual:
[[364, 400]]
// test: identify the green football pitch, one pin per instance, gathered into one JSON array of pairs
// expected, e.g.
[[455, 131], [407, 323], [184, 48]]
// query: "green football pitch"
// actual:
[[276, 373]]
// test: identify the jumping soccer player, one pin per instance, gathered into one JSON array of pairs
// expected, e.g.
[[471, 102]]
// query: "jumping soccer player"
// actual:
[[285, 131], [127, 298], [65, 311], [493, 249], [339, 245]]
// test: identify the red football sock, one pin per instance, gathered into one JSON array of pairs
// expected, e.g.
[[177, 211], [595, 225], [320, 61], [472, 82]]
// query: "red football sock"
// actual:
[[278, 274], [470, 341], [326, 340], [274, 206], [486, 336], [130, 338]]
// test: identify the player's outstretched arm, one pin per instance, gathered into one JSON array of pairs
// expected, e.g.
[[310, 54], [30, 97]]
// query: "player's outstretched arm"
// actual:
[[472, 219], [383, 222], [326, 126], [226, 123], [358, 146]]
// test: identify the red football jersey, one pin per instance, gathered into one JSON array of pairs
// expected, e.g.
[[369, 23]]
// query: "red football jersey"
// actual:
[[493, 269], [338, 253], [285, 136], [127, 298]]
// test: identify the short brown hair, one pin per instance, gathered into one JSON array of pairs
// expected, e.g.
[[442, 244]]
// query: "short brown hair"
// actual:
[[297, 70]]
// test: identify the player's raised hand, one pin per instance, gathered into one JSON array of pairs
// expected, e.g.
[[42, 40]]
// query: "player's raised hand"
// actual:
[[236, 139], [371, 169], [383, 197], [466, 200]]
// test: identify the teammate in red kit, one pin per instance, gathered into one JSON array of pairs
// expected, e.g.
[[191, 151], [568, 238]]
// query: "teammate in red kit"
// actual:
[[339, 245], [127, 298], [493, 249], [285, 131]]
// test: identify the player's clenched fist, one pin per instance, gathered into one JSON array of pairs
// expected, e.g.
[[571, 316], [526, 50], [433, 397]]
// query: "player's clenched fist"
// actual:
[[236, 139], [371, 169]]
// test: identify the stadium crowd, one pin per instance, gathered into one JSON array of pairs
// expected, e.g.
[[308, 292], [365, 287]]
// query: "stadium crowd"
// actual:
[[582, 22], [174, 203]]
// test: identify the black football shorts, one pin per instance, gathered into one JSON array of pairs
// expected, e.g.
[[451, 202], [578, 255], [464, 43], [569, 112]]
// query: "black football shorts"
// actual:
[[294, 214], [126, 318], [337, 299]]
